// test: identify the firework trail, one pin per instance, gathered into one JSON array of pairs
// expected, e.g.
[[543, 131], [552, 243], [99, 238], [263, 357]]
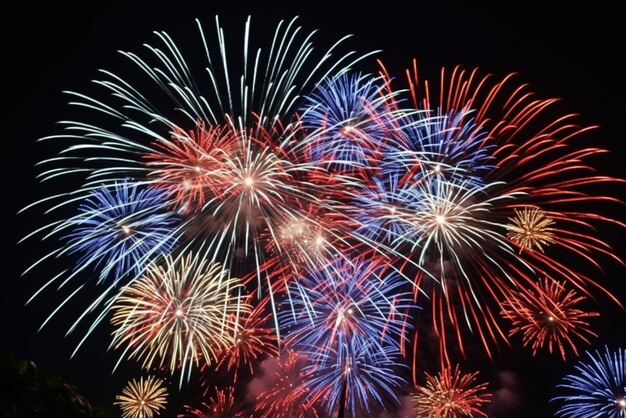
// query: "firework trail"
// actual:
[[597, 388]]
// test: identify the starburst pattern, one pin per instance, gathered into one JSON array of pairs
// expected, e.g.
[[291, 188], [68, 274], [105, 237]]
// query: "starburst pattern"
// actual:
[[177, 314], [530, 228], [597, 389], [548, 315], [143, 398], [451, 394]]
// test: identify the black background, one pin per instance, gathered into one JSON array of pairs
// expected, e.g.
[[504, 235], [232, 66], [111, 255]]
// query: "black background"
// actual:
[[572, 52]]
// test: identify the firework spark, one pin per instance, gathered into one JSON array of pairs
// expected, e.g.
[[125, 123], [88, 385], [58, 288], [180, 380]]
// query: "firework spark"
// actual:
[[143, 398], [451, 394], [598, 387]]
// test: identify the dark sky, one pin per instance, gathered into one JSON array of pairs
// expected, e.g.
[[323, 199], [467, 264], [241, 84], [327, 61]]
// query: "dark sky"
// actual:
[[571, 52]]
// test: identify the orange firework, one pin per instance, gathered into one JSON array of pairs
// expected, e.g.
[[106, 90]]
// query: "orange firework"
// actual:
[[143, 398], [547, 315], [451, 395]]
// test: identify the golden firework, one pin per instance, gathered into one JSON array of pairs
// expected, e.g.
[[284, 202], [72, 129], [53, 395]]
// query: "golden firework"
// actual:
[[530, 229], [143, 398], [451, 394]]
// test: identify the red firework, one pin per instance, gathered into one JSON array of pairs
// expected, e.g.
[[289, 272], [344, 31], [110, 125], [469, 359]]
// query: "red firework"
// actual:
[[222, 405], [254, 340], [287, 394], [547, 315], [190, 166]]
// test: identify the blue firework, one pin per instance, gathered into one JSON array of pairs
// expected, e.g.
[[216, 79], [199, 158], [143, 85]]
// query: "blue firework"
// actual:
[[347, 301], [359, 372], [451, 146], [346, 116], [119, 229], [598, 387], [377, 208]]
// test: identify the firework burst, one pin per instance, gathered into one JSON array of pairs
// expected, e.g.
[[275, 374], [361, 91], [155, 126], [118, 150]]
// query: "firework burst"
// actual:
[[222, 405], [530, 228], [451, 394], [254, 340], [347, 301], [143, 398], [598, 387], [345, 116], [177, 314], [288, 393], [547, 315], [358, 376]]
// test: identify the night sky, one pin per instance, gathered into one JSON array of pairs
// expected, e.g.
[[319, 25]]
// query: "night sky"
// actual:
[[573, 53]]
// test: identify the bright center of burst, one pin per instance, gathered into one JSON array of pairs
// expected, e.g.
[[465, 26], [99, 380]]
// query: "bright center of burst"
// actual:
[[622, 403], [179, 312], [248, 181], [126, 229], [551, 319], [319, 241], [440, 219], [437, 168]]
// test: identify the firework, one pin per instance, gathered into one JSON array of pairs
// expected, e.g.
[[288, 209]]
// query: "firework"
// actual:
[[222, 405], [118, 231], [357, 374], [177, 314], [287, 396], [530, 229], [254, 340], [451, 394], [143, 398], [597, 388], [347, 301], [451, 146], [345, 115], [189, 166], [484, 156], [221, 156], [547, 315]]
